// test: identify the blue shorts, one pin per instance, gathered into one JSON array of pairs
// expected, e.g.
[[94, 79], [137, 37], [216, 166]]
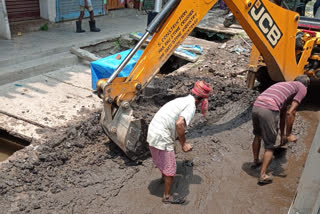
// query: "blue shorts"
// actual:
[[82, 3]]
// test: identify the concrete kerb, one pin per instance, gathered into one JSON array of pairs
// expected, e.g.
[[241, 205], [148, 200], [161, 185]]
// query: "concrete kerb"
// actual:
[[62, 37], [50, 51], [23, 58], [307, 194], [94, 42]]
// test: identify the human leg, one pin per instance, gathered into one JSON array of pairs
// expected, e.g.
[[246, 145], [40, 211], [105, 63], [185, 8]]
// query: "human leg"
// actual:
[[167, 197], [81, 14], [264, 178], [256, 145], [166, 163], [268, 125], [91, 15], [92, 23], [78, 23], [167, 186], [316, 13], [162, 178]]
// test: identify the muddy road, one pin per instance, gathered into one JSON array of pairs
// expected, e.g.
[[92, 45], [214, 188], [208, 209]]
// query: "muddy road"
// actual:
[[79, 171]]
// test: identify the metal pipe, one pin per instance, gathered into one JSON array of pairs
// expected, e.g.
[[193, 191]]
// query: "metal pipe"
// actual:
[[162, 16], [126, 60], [151, 28], [157, 6]]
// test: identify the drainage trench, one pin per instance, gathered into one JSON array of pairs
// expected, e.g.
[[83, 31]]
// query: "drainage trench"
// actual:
[[210, 36], [122, 43], [10, 144]]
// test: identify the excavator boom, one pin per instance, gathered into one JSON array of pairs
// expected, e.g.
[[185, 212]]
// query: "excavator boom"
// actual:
[[271, 28]]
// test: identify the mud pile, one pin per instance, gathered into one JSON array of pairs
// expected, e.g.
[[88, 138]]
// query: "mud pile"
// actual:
[[70, 167], [79, 171], [222, 68]]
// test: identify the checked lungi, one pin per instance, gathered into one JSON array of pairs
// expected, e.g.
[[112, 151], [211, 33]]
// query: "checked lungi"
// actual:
[[164, 160]]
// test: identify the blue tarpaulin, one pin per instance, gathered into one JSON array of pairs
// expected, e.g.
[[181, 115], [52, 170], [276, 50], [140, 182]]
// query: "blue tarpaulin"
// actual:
[[103, 68]]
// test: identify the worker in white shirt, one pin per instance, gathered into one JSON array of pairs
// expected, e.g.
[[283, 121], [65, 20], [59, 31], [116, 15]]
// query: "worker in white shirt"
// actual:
[[169, 123]]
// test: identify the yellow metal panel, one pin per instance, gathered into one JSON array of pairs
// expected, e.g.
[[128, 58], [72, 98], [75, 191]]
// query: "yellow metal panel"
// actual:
[[177, 27], [263, 21]]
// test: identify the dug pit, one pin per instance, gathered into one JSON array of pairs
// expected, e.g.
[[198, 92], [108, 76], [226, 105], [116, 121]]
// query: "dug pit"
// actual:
[[10, 144]]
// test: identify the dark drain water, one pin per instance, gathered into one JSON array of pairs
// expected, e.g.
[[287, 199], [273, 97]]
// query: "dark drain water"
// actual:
[[10, 144], [210, 36]]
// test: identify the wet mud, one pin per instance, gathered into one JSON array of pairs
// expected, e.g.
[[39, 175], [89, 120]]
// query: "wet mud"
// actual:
[[79, 171]]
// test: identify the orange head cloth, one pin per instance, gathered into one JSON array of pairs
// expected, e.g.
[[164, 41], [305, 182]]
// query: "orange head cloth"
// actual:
[[203, 90]]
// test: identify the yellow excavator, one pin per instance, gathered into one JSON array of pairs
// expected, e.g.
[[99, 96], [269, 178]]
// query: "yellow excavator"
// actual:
[[279, 48]]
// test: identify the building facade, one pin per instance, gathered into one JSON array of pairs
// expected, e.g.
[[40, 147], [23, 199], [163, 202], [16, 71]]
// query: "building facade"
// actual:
[[51, 10]]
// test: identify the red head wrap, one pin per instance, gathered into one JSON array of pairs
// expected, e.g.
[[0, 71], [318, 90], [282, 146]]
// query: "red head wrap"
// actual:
[[203, 90]]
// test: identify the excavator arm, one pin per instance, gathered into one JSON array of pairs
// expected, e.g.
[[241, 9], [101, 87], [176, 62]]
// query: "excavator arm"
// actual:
[[271, 28]]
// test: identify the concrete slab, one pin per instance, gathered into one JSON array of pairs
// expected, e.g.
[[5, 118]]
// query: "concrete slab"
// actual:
[[213, 22], [20, 128], [23, 70], [47, 100], [307, 196], [77, 75]]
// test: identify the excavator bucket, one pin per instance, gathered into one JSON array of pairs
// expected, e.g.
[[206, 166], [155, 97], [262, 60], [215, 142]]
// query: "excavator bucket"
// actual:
[[127, 132]]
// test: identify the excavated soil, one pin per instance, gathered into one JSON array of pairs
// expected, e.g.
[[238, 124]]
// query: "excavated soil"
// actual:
[[79, 171]]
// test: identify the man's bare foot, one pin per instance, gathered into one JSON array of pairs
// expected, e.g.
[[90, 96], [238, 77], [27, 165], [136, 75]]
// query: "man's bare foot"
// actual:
[[265, 179], [292, 138]]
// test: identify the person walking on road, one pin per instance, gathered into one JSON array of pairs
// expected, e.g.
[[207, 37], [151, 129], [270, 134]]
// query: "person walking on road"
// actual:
[[268, 109], [86, 4], [169, 123]]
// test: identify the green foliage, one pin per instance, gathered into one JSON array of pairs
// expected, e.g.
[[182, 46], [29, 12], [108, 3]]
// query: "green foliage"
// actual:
[[116, 43], [44, 27]]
